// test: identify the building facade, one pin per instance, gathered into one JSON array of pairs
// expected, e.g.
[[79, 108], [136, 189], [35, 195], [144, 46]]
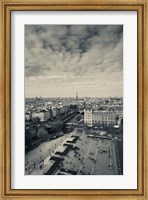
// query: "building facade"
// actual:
[[88, 116], [42, 115], [27, 117], [99, 118], [54, 111]]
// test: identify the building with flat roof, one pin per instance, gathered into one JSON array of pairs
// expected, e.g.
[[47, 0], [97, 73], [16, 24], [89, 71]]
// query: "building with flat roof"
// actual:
[[99, 117], [88, 116], [42, 115]]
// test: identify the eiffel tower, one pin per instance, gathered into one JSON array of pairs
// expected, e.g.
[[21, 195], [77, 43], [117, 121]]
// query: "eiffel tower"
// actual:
[[76, 95]]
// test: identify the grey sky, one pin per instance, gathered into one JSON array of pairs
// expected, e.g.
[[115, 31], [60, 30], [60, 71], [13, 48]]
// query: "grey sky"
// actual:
[[60, 60]]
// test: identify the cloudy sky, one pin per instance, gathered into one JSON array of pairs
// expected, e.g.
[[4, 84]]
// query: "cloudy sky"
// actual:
[[61, 60]]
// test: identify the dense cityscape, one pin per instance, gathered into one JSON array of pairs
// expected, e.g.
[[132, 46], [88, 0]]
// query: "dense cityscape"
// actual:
[[73, 99], [74, 136]]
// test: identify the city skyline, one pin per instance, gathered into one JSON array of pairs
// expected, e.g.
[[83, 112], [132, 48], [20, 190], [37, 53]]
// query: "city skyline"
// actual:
[[62, 60], [74, 97]]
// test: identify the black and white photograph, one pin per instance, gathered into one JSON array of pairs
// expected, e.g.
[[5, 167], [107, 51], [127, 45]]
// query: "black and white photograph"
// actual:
[[73, 99]]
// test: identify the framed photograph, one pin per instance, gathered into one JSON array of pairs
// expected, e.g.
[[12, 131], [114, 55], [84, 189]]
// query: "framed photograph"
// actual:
[[73, 99]]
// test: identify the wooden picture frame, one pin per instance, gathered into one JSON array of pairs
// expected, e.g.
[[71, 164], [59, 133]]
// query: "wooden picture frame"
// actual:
[[5, 99]]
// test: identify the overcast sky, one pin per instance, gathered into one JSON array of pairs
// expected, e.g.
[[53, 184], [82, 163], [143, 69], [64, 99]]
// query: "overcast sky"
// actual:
[[62, 60]]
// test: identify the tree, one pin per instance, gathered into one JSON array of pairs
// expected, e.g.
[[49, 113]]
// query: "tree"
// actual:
[[59, 125], [42, 133], [36, 120], [78, 117]]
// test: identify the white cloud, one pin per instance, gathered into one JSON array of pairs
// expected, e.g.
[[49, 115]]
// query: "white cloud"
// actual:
[[84, 57]]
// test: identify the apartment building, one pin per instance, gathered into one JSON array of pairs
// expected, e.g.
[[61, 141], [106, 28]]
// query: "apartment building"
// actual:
[[88, 116], [99, 117], [42, 115]]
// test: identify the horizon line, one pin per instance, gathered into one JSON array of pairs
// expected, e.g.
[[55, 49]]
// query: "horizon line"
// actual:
[[75, 97]]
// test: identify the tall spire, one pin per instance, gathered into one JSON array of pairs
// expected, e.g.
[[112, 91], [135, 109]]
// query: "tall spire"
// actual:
[[77, 95]]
